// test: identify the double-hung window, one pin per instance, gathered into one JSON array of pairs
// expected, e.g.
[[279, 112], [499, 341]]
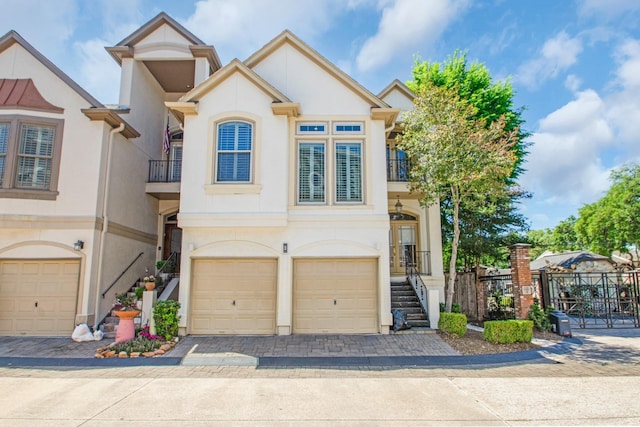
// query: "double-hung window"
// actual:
[[311, 172], [348, 172], [29, 156], [330, 167], [234, 151]]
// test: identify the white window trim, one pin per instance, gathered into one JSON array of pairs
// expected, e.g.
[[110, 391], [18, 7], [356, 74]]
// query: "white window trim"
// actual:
[[359, 142], [311, 132], [334, 127], [327, 171]]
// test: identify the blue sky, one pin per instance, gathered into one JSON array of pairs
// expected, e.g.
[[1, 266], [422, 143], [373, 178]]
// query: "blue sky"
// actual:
[[575, 64]]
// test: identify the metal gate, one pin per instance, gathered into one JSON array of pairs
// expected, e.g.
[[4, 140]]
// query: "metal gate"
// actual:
[[499, 294], [595, 300]]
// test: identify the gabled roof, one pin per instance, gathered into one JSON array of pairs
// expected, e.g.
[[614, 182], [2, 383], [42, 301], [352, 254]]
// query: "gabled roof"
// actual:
[[235, 66], [288, 37], [22, 93], [13, 37], [397, 85], [566, 259], [187, 104], [198, 48]]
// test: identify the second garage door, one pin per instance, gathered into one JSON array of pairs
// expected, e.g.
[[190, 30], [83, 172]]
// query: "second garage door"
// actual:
[[38, 297], [335, 296], [233, 296]]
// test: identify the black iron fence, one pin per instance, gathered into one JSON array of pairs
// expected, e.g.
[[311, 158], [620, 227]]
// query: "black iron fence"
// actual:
[[595, 300]]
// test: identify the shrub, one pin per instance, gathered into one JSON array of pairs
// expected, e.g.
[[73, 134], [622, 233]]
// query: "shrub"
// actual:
[[139, 344], [453, 323], [455, 307], [165, 314], [508, 331], [539, 316]]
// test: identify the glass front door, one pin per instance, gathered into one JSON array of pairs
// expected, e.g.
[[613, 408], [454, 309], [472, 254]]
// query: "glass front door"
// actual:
[[403, 244]]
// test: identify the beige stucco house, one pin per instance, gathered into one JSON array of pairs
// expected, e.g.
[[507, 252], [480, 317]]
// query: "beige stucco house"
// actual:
[[278, 190]]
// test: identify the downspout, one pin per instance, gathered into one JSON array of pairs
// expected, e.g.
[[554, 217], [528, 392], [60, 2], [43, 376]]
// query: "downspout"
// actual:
[[105, 220]]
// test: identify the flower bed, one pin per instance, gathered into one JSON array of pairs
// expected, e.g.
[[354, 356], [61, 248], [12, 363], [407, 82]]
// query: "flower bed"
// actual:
[[143, 345]]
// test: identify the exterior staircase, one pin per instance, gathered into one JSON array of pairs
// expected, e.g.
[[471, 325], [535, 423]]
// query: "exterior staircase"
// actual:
[[109, 325], [404, 298]]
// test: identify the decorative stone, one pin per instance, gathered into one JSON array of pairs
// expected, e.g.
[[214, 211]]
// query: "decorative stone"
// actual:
[[110, 353], [149, 354], [99, 356], [159, 351], [135, 354], [166, 347], [123, 354]]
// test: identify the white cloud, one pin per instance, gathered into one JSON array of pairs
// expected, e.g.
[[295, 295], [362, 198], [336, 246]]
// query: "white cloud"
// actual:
[[572, 82], [608, 9], [557, 54], [99, 73], [47, 25], [405, 25], [564, 164], [239, 27]]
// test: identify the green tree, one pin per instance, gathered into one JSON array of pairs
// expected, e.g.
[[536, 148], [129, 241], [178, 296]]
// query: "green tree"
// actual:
[[565, 237], [456, 155], [613, 222], [485, 229]]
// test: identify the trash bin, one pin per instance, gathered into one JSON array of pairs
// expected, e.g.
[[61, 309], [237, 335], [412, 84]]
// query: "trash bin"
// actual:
[[560, 323]]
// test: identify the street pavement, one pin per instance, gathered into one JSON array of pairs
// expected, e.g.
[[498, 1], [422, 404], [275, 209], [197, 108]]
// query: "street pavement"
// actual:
[[592, 381]]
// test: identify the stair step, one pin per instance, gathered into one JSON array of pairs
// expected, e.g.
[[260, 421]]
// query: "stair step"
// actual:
[[419, 323], [409, 310], [402, 288], [416, 316], [415, 330], [403, 293], [404, 298]]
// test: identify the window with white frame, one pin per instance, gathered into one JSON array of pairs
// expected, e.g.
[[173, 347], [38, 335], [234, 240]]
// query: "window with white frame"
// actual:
[[348, 171], [311, 172], [29, 156], [330, 170], [234, 151], [348, 128]]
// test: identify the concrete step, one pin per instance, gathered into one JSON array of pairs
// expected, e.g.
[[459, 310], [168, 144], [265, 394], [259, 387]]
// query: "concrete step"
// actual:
[[414, 330], [409, 310], [402, 288], [403, 298], [416, 316], [403, 293], [418, 323]]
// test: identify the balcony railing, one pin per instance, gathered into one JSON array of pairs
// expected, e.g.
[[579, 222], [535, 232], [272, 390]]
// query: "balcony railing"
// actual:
[[165, 171], [398, 170]]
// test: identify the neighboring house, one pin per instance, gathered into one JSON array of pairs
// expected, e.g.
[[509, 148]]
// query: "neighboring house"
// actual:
[[577, 261], [271, 189]]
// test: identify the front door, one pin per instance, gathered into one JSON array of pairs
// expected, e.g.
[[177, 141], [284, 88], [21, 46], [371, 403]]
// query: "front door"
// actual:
[[403, 242], [172, 240]]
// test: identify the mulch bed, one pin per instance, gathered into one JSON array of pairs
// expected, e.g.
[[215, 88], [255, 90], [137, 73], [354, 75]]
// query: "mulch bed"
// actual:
[[472, 343]]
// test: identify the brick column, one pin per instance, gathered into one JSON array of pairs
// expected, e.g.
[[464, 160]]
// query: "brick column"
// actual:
[[521, 277]]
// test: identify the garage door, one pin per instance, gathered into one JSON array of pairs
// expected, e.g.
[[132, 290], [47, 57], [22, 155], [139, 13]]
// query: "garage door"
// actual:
[[233, 296], [38, 297], [336, 296]]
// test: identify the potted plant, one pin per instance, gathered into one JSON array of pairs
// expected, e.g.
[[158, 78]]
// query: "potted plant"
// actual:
[[128, 311], [149, 282]]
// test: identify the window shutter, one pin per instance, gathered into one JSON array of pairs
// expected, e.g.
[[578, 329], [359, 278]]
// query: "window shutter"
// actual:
[[348, 172], [311, 173], [4, 143], [235, 140]]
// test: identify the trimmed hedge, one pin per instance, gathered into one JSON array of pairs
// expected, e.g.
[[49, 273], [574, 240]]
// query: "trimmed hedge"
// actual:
[[453, 323], [508, 331]]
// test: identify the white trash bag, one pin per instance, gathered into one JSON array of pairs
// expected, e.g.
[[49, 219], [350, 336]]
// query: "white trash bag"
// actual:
[[98, 335], [82, 333]]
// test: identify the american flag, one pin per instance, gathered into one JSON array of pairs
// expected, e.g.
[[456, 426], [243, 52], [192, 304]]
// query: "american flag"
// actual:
[[167, 140]]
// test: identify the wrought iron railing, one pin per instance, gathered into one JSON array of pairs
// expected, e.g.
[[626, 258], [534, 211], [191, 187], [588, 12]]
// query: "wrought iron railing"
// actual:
[[418, 285], [420, 260], [122, 274], [165, 171], [398, 170]]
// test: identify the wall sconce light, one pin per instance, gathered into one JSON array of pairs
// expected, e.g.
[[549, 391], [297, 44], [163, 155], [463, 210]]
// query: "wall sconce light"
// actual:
[[398, 206], [285, 248], [77, 246]]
